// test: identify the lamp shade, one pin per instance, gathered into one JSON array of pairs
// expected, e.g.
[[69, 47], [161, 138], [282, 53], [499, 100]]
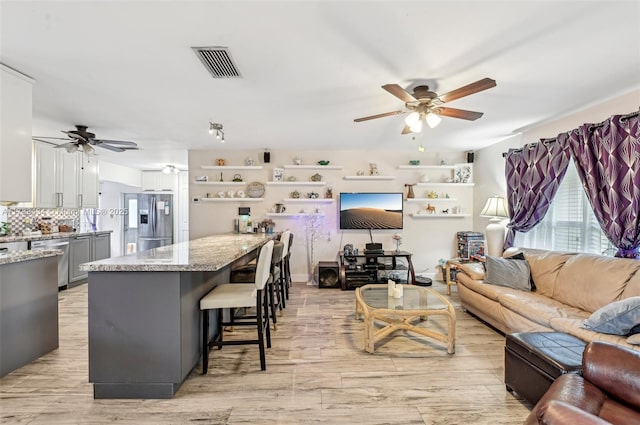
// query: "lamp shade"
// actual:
[[496, 206]]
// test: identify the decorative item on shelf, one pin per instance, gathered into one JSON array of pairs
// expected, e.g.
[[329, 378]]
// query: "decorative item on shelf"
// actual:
[[448, 180], [496, 208], [360, 173], [316, 178], [414, 162], [445, 211], [292, 178], [295, 194], [313, 195], [398, 238], [278, 174], [279, 208], [231, 194], [255, 190], [410, 194], [446, 196], [328, 194], [240, 194], [424, 178], [323, 162], [221, 194], [249, 161], [463, 173], [221, 179], [431, 209], [208, 195], [202, 178], [442, 162], [221, 162], [373, 169], [266, 156], [237, 178], [432, 195], [297, 160]]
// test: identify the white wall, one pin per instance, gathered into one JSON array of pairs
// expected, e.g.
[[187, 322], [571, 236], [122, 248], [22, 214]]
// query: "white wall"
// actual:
[[489, 166], [427, 239], [120, 174], [110, 201]]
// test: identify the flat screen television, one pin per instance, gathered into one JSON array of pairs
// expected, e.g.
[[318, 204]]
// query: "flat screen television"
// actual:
[[371, 210]]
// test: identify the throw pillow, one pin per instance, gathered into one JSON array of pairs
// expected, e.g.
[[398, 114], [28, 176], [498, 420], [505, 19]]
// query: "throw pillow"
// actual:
[[520, 256], [617, 318], [510, 273]]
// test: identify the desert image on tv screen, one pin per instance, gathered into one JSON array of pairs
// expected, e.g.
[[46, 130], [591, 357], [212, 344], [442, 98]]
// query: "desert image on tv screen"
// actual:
[[371, 210]]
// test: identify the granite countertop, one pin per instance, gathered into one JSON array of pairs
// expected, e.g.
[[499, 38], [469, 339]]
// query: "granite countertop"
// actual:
[[210, 253], [60, 235], [10, 257]]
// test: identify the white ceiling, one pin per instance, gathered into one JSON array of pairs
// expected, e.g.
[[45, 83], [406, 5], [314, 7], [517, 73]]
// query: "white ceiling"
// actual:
[[126, 69]]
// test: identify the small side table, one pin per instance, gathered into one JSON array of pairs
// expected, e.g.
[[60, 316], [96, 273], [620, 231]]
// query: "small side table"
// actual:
[[453, 263]]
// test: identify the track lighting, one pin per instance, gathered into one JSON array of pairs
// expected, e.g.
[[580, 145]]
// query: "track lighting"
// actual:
[[218, 129]]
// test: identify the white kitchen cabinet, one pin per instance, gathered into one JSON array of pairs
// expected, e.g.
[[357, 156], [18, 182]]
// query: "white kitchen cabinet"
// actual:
[[56, 177], [87, 181], [158, 181], [16, 98], [63, 179]]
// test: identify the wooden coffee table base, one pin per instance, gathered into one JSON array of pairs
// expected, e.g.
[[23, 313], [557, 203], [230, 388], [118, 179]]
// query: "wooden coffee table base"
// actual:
[[403, 320]]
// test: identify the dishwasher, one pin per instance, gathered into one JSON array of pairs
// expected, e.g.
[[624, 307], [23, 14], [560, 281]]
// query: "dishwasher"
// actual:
[[63, 260]]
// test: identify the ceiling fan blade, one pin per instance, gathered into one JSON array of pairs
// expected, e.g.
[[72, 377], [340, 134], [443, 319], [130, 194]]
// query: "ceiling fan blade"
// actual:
[[66, 145], [109, 147], [478, 86], [406, 130], [114, 142], [74, 135], [41, 138], [399, 92], [373, 117], [458, 113]]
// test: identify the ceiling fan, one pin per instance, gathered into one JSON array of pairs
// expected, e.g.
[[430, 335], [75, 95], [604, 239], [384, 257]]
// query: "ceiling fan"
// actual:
[[426, 105], [83, 140]]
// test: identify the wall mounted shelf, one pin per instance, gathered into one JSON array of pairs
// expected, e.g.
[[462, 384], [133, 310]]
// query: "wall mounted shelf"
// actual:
[[439, 215], [369, 177], [290, 215], [295, 183], [430, 199], [230, 199], [231, 167], [426, 167], [308, 200], [312, 167], [444, 184], [221, 183]]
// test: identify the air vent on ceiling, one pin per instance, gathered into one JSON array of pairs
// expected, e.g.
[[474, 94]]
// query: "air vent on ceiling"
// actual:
[[218, 61]]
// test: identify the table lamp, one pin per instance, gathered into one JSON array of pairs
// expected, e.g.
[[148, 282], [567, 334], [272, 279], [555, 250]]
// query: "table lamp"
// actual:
[[496, 208]]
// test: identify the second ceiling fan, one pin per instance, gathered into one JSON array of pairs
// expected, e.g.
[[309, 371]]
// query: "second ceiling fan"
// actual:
[[425, 105]]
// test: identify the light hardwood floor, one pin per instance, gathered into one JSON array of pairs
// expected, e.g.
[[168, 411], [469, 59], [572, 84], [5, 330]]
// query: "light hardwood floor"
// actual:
[[317, 372]]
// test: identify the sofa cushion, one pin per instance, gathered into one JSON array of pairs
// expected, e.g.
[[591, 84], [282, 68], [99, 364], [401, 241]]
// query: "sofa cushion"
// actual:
[[617, 318], [474, 270], [632, 289], [510, 273], [490, 291], [538, 308], [588, 281], [573, 326], [634, 339], [545, 266]]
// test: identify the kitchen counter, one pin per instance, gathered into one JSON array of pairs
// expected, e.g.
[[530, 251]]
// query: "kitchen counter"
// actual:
[[144, 314], [60, 235], [205, 254], [11, 257]]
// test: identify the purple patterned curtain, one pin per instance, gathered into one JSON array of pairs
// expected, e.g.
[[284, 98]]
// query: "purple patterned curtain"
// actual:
[[533, 175], [607, 157]]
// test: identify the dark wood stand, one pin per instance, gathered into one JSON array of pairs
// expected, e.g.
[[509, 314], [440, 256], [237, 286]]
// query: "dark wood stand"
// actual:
[[365, 268]]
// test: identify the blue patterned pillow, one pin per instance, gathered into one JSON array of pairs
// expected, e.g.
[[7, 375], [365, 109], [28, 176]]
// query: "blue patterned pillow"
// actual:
[[617, 318]]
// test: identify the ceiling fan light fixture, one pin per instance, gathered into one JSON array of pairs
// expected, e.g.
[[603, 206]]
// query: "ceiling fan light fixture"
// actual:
[[71, 148], [88, 149], [211, 128], [412, 118], [416, 127], [432, 120]]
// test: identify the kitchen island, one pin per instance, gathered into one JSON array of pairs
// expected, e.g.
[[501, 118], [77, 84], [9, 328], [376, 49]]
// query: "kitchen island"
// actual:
[[28, 306], [144, 315]]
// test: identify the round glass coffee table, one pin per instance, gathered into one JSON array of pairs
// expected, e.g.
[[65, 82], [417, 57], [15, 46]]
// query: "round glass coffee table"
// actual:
[[406, 313]]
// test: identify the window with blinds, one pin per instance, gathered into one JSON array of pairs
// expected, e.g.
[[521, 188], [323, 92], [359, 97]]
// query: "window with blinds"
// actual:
[[570, 224]]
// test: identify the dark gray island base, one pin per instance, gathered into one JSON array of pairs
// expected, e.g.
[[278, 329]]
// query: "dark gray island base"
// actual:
[[144, 323]]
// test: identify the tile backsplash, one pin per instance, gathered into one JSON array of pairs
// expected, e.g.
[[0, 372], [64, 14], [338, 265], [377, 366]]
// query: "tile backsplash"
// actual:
[[21, 219]]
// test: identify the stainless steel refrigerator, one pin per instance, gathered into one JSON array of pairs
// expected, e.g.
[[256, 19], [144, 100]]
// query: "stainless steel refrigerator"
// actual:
[[153, 214]]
